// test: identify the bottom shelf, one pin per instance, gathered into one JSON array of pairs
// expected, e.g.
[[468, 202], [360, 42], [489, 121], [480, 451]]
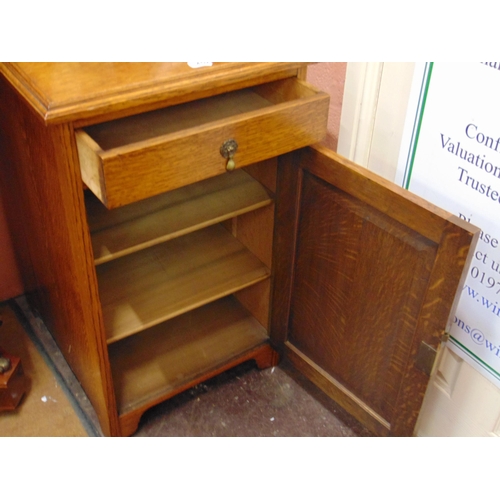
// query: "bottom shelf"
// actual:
[[148, 367]]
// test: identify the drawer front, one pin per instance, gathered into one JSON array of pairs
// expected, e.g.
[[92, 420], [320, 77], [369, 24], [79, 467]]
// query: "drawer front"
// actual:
[[138, 157]]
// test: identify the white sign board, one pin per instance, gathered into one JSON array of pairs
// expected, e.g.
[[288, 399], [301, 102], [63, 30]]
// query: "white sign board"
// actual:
[[451, 157]]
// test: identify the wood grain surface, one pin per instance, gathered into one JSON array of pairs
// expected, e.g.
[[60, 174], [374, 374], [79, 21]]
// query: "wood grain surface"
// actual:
[[156, 284], [137, 157], [125, 230], [153, 363], [369, 272], [52, 236], [95, 92]]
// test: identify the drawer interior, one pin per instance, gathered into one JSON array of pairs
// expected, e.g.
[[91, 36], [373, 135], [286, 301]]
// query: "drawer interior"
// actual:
[[158, 123]]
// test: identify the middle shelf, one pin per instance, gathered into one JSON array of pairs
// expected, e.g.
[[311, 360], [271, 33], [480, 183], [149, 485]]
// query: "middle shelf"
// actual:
[[151, 286]]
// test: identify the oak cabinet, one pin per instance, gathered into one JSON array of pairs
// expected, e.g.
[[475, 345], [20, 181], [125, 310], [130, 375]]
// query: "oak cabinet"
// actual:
[[158, 260]]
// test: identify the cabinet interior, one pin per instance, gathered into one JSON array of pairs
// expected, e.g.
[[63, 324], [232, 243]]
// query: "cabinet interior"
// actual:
[[184, 280]]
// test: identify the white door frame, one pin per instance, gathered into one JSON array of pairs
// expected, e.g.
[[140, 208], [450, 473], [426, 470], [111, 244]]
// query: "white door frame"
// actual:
[[373, 114], [359, 106]]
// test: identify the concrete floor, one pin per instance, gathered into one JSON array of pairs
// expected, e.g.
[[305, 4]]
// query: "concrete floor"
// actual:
[[250, 402], [244, 401]]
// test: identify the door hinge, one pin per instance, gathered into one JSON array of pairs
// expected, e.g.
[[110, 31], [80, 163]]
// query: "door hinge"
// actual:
[[426, 355]]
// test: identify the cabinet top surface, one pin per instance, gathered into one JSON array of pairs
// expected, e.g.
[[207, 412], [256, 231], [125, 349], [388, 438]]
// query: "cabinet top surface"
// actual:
[[62, 92]]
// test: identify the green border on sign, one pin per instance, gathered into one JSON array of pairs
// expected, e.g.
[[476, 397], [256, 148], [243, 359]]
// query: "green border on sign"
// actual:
[[477, 359], [416, 129]]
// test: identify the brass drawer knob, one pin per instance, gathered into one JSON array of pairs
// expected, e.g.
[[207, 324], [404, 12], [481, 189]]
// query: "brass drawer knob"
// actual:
[[227, 150]]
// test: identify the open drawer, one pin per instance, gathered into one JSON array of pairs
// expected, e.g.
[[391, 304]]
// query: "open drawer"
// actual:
[[133, 158]]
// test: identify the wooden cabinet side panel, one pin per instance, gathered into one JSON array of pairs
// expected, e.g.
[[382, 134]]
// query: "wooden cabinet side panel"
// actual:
[[51, 209]]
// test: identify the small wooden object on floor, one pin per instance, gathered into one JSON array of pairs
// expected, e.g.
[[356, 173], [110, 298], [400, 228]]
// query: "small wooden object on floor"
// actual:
[[12, 382]]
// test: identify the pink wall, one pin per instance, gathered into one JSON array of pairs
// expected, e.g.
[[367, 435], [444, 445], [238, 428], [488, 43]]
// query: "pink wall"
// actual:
[[328, 77]]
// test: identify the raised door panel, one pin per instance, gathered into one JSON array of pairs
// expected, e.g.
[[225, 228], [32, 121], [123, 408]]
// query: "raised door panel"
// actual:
[[366, 278]]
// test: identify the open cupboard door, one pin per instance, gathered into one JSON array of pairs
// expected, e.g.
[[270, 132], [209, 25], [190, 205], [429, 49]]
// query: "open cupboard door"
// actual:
[[366, 276]]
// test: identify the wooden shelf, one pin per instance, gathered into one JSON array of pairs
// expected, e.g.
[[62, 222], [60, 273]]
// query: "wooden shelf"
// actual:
[[125, 230], [148, 366], [156, 284]]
